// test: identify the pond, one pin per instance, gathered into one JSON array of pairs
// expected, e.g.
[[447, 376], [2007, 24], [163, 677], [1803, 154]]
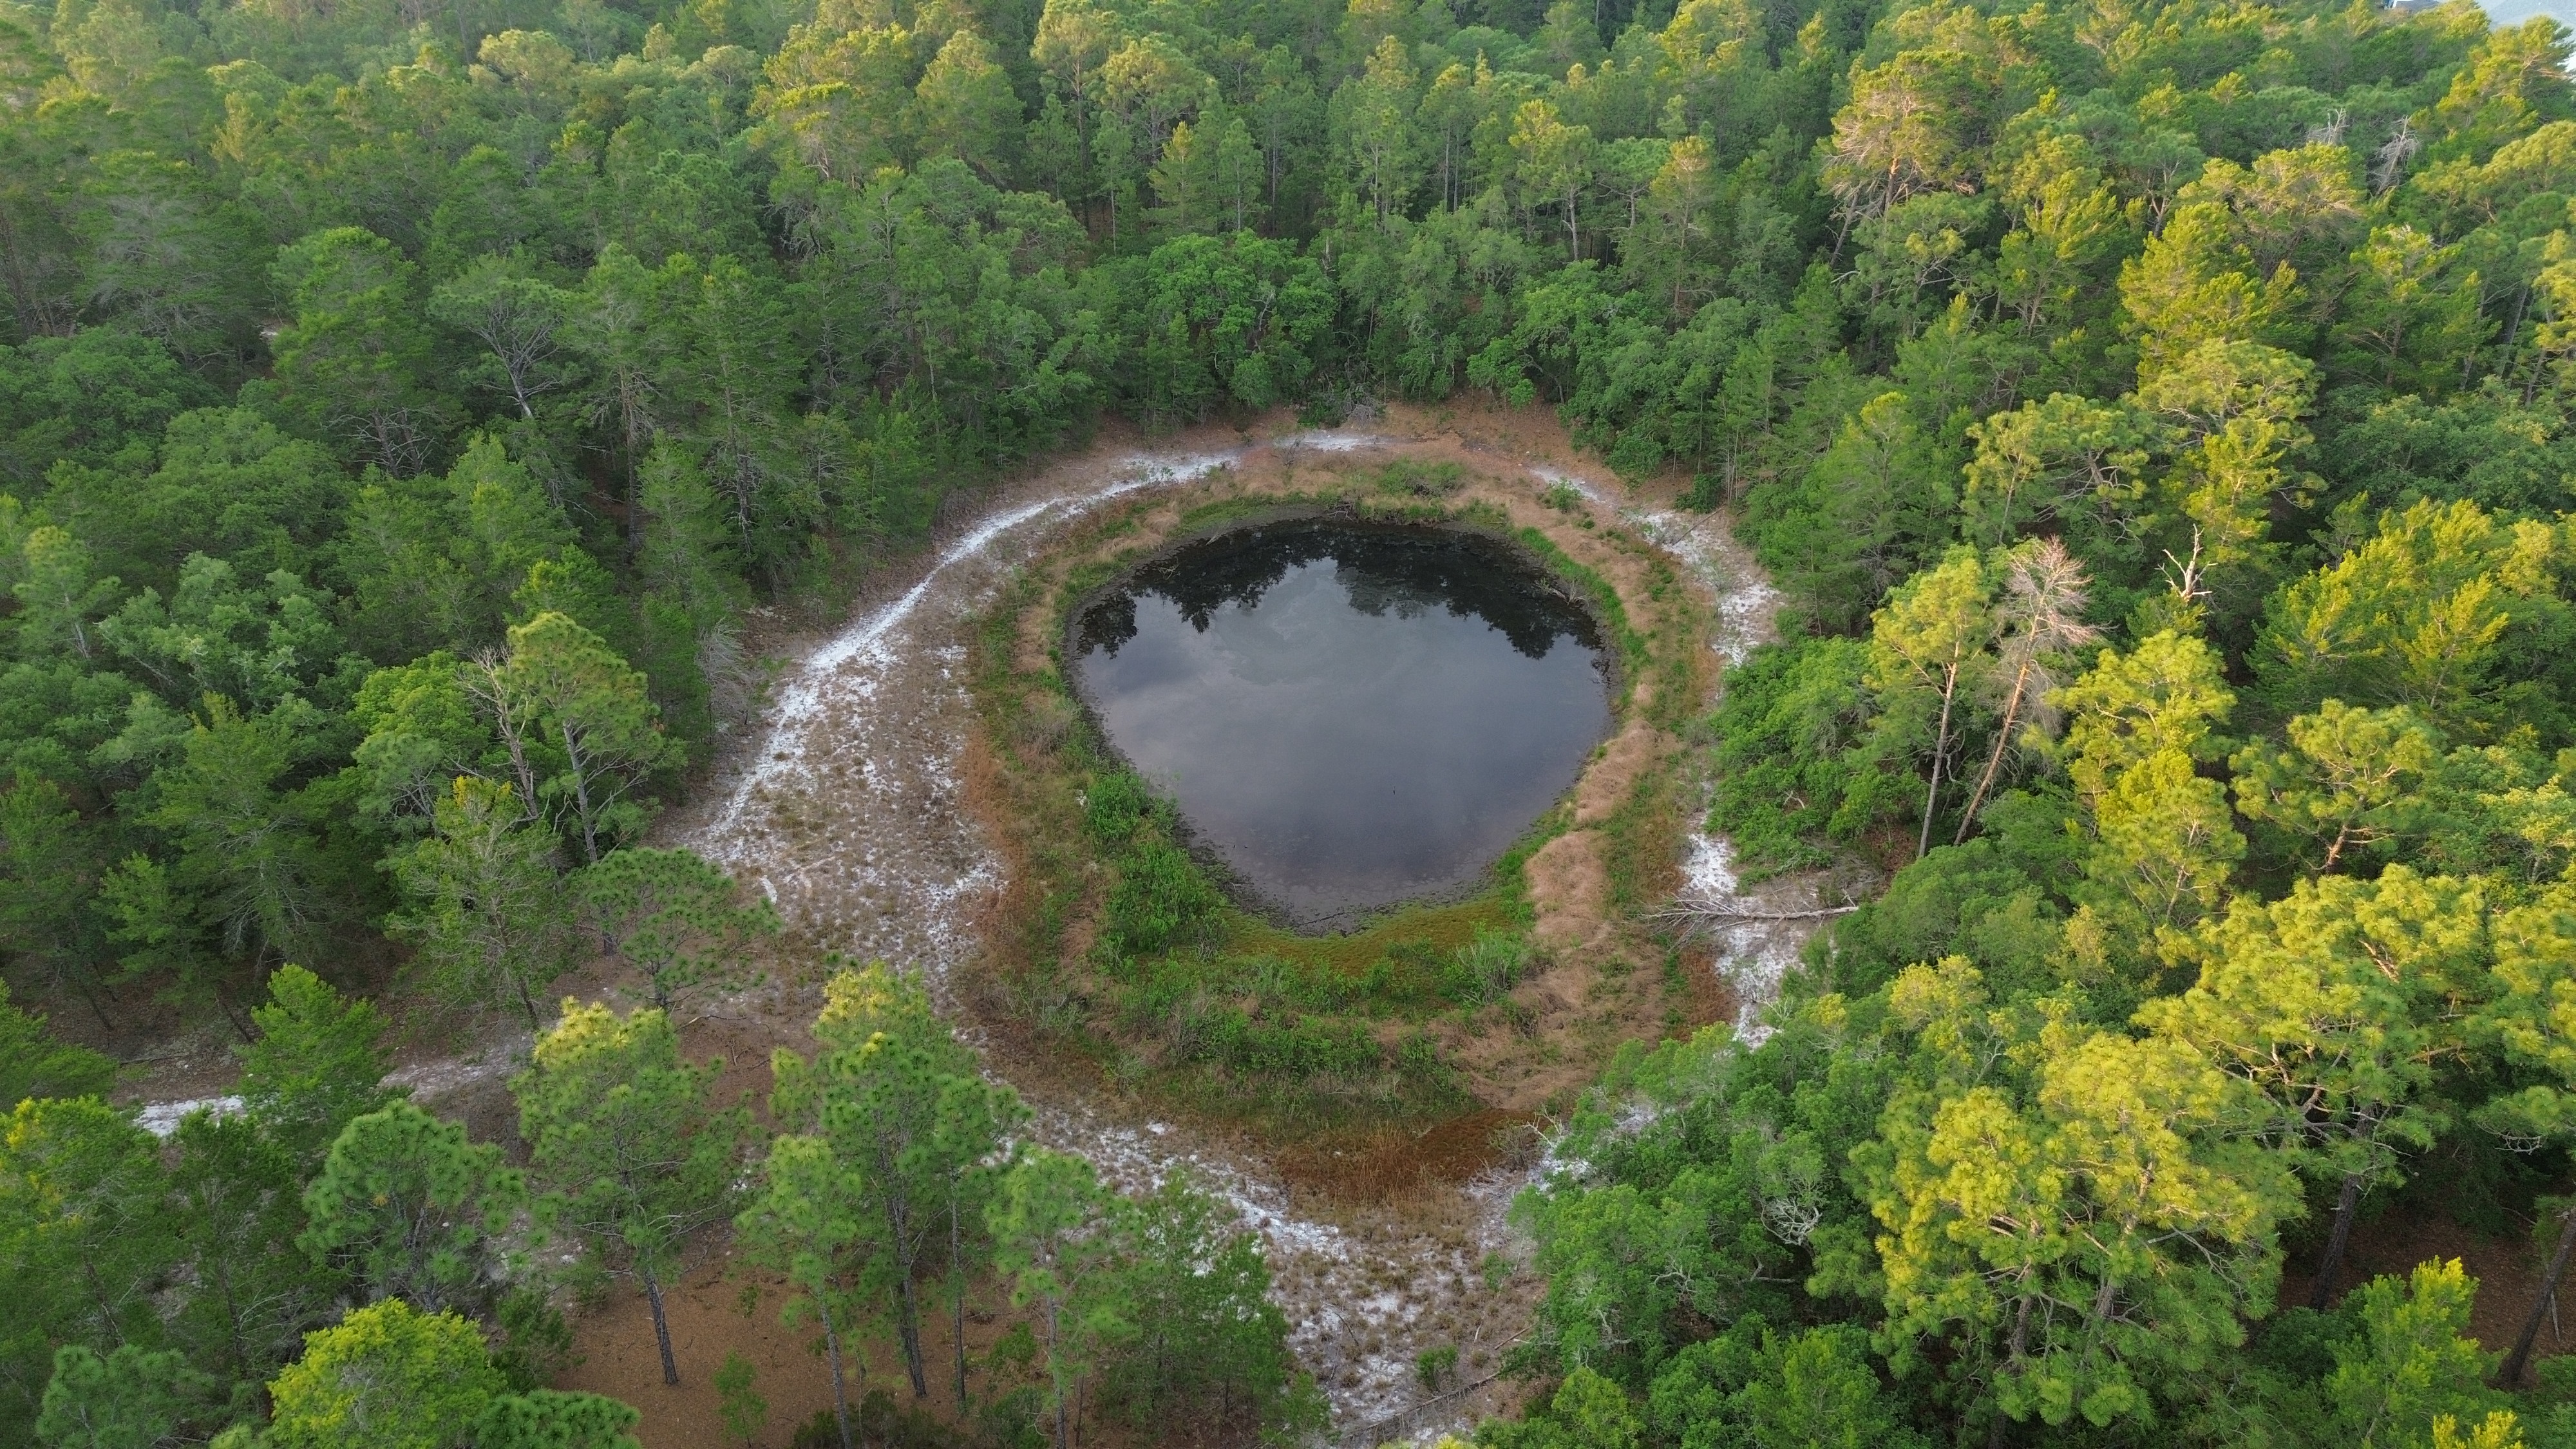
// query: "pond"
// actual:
[[1347, 715]]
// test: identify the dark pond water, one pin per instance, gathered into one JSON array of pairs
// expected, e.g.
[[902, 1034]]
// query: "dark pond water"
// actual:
[[1349, 715]]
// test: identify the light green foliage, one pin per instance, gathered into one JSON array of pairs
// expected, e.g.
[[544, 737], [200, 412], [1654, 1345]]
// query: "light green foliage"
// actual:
[[390, 396], [1484, 970], [264, 643], [576, 700], [904, 1113], [421, 729], [388, 1374], [61, 594], [2331, 1006], [1054, 1239], [804, 1225], [491, 922], [2412, 1361], [740, 1405], [319, 1063], [2415, 615], [1161, 899], [2095, 1180], [674, 916], [1586, 1412], [965, 106], [409, 1209], [2164, 844], [630, 1157], [1928, 655], [1768, 1388], [2065, 458], [2350, 780]]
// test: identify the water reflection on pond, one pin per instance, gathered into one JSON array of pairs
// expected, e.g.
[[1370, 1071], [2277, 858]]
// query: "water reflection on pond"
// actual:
[[1349, 715]]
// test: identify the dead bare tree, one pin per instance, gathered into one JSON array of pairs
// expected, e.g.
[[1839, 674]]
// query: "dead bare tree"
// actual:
[[2044, 596]]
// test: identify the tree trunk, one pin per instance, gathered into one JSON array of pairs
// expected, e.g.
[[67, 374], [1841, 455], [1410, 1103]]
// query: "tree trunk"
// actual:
[[1940, 748], [957, 1293], [2020, 1340], [909, 1329], [81, 984], [2346, 1203], [661, 1330], [1055, 1352], [635, 495], [516, 739], [2511, 1373], [581, 789], [224, 1003], [1995, 761], [832, 1349]]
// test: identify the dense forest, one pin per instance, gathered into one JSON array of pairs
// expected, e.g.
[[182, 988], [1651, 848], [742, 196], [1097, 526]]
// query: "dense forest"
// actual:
[[2154, 416]]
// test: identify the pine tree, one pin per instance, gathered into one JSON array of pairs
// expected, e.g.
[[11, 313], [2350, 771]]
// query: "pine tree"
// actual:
[[629, 1157]]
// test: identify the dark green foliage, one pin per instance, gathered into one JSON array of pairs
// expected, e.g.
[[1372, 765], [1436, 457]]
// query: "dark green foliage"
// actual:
[[1211, 1348], [547, 1419], [86, 399], [535, 1343], [1737, 1168], [1791, 777], [673, 916], [90, 1243], [34, 1064], [1162, 898], [128, 1398], [319, 1063], [1218, 322], [1967, 900], [236, 1192]]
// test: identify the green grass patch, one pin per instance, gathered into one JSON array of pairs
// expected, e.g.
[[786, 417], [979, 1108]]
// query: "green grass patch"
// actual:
[[1439, 928]]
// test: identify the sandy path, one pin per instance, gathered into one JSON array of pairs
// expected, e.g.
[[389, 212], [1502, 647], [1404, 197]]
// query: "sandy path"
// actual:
[[1752, 953]]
